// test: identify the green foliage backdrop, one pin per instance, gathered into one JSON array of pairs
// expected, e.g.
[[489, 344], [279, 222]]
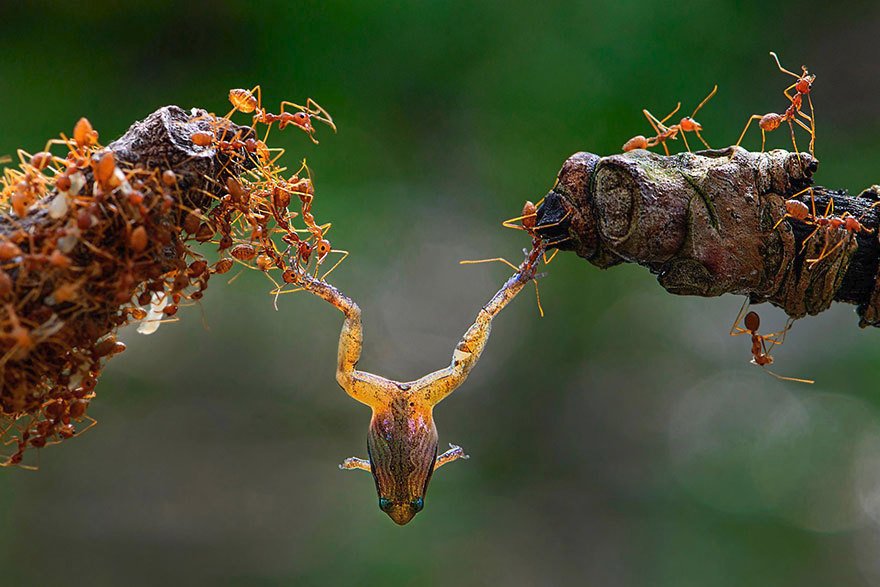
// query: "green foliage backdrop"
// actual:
[[621, 440]]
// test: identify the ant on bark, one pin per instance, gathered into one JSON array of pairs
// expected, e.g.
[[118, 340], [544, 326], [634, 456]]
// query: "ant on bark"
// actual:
[[771, 121], [665, 133], [799, 211], [760, 349]]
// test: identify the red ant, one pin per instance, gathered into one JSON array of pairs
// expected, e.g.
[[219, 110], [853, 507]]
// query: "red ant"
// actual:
[[248, 101], [799, 211], [664, 133], [527, 222], [760, 350], [771, 121]]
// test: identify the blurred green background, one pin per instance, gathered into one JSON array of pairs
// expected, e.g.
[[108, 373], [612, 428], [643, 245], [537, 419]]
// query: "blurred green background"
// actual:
[[622, 440]]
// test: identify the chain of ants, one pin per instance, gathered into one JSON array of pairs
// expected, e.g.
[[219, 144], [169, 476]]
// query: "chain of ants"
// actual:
[[102, 255], [797, 94]]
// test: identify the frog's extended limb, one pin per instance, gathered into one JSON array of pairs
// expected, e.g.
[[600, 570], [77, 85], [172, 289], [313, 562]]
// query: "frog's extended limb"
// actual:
[[366, 388], [453, 454], [356, 463], [433, 388]]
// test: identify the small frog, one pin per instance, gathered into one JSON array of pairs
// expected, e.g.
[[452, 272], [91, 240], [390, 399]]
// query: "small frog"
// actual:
[[402, 438]]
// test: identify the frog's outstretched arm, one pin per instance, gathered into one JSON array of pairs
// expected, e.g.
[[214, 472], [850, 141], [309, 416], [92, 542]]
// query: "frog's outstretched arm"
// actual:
[[366, 388], [433, 388]]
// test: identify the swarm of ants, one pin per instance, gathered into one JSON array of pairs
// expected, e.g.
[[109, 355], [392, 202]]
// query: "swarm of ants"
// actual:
[[92, 243]]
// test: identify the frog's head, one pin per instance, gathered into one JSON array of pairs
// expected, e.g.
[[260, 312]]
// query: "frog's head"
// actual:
[[402, 446]]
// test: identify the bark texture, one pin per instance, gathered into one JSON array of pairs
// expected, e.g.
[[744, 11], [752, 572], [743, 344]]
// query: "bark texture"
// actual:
[[704, 224]]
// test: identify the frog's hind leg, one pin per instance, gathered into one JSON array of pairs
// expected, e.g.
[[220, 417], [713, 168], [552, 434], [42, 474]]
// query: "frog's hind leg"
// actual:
[[453, 454]]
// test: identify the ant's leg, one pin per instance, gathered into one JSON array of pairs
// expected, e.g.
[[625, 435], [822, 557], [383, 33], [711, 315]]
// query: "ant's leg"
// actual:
[[793, 139], [286, 103], [806, 240], [652, 120], [706, 99], [512, 222], [782, 69], [743, 134], [259, 95], [685, 139], [453, 454], [735, 330], [812, 124], [812, 200], [352, 463], [827, 253], [699, 136], [515, 268], [786, 215], [774, 337], [92, 423], [492, 260], [802, 125], [829, 209], [782, 378], [668, 116], [339, 262], [809, 129], [822, 254]]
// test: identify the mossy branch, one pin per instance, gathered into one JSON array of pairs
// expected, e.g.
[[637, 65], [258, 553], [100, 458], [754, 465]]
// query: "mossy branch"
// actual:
[[706, 224]]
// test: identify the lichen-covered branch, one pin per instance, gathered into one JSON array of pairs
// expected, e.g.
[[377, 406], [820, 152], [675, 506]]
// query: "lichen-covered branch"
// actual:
[[706, 224]]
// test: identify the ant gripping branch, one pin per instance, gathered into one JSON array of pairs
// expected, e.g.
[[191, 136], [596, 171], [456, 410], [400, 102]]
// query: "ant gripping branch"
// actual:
[[528, 221], [829, 221], [771, 121], [665, 133], [760, 350]]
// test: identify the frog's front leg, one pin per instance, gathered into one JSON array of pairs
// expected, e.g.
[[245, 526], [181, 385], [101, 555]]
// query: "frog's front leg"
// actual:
[[436, 386], [453, 454], [356, 463]]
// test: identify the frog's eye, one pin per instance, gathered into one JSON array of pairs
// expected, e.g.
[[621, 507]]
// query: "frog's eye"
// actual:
[[417, 504], [384, 504]]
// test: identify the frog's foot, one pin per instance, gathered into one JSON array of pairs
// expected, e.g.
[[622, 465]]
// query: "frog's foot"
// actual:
[[454, 453], [356, 463]]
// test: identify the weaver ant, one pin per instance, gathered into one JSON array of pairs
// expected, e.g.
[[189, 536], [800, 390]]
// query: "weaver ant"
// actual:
[[250, 101], [665, 133], [760, 350], [771, 121], [799, 211]]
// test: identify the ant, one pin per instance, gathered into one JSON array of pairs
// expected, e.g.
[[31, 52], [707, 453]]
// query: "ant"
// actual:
[[760, 350], [771, 121], [528, 222], [665, 133], [799, 211], [248, 101]]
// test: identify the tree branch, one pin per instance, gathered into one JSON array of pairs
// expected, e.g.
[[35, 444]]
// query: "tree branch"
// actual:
[[704, 224]]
